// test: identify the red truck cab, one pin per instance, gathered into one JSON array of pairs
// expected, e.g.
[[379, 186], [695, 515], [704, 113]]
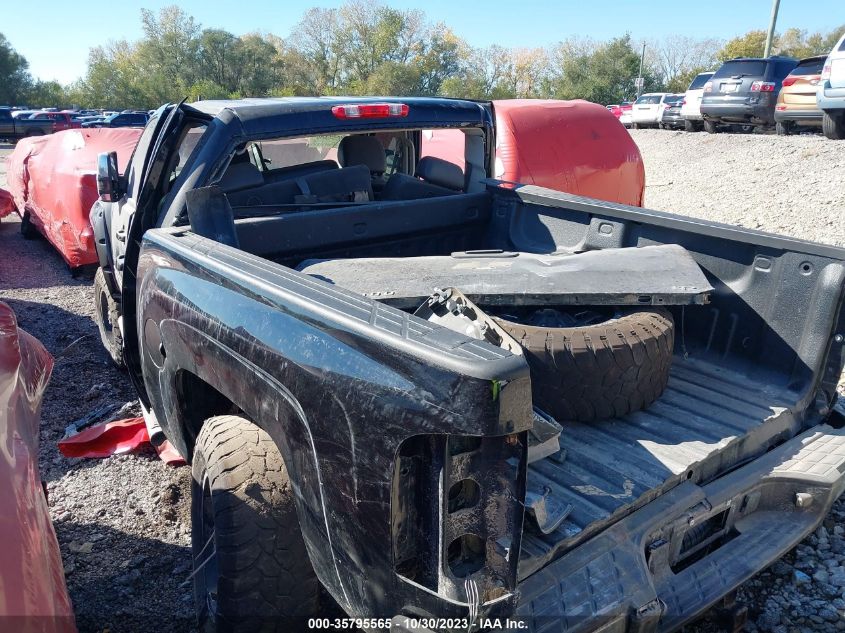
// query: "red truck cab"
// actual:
[[61, 120], [572, 146]]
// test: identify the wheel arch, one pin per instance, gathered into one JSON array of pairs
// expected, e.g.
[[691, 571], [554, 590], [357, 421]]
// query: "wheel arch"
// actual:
[[200, 378]]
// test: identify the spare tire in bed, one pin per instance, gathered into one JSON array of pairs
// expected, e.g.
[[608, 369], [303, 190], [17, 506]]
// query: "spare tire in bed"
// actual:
[[601, 370]]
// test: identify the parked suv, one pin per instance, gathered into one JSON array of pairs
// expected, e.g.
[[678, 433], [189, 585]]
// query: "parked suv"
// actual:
[[691, 105], [830, 96], [647, 109], [796, 103], [744, 91]]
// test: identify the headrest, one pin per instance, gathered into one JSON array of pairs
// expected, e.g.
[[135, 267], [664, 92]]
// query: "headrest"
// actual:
[[440, 172], [240, 176], [362, 150]]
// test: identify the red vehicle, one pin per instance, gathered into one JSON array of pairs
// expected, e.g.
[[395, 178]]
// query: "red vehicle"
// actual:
[[53, 182], [618, 110], [33, 594], [61, 120], [572, 146]]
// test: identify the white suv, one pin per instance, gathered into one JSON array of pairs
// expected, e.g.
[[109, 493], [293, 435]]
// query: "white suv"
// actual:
[[830, 94], [648, 109], [691, 106]]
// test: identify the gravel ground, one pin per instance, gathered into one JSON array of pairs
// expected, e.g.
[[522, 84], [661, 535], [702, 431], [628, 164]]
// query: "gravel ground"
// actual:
[[123, 523]]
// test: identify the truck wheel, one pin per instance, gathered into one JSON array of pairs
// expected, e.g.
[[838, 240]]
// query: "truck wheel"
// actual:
[[833, 126], [783, 128], [598, 371], [251, 568], [28, 229], [106, 314], [689, 126], [710, 127]]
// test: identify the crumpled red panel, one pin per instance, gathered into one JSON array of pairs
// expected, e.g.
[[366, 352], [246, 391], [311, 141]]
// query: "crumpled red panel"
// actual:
[[31, 572], [54, 179], [116, 438]]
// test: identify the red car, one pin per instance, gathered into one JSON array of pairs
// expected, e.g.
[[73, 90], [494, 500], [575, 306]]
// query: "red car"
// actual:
[[617, 110], [33, 594], [61, 120]]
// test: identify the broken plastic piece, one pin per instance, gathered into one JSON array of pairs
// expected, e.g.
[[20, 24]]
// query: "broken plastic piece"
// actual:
[[116, 438], [544, 437], [451, 309], [544, 509]]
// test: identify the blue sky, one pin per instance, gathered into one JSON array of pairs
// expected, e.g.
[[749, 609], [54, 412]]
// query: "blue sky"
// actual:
[[56, 43]]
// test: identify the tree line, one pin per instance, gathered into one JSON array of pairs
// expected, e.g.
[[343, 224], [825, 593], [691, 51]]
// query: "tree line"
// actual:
[[370, 48]]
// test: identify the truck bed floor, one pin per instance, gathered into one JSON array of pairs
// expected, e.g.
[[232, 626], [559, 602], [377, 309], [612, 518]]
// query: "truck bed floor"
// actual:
[[708, 420]]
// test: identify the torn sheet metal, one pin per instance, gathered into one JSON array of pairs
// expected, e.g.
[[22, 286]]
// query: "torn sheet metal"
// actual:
[[651, 275]]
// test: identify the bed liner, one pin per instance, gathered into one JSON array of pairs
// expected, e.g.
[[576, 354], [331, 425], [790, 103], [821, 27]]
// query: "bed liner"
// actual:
[[708, 420]]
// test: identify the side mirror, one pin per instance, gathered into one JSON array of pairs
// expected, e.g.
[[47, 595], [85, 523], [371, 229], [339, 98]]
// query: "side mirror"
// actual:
[[108, 180]]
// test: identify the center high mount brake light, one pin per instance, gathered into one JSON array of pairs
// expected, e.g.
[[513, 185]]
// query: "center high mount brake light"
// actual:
[[370, 110]]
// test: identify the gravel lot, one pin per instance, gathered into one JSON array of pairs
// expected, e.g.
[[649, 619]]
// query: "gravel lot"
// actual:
[[123, 523]]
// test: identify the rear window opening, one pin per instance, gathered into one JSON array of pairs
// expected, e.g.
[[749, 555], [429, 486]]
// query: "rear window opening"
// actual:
[[294, 174], [699, 81], [809, 67], [743, 68], [648, 100]]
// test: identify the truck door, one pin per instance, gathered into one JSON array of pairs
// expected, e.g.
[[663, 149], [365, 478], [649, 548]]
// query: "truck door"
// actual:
[[143, 216]]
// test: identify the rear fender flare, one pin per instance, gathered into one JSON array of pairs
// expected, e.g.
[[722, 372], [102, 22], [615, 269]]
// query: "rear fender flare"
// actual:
[[267, 403]]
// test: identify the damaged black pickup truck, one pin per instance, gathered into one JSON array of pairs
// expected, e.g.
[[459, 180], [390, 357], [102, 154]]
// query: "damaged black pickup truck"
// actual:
[[449, 399]]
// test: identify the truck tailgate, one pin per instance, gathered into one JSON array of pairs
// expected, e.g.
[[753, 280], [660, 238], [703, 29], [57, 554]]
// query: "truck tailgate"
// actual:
[[681, 553]]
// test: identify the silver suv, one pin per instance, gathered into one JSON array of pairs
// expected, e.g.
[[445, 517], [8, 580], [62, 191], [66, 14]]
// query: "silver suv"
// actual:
[[830, 94]]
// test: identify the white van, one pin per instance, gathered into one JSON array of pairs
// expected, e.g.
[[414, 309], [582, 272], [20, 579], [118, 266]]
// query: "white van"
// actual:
[[691, 107]]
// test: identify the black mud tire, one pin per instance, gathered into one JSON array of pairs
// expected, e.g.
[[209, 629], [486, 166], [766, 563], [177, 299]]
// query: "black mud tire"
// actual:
[[242, 500], [106, 315], [833, 127], [783, 128], [601, 371], [710, 127], [28, 229], [689, 126]]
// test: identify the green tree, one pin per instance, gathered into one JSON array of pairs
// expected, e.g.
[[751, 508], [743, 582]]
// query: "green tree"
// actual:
[[206, 89], [218, 56], [46, 94], [168, 54], [680, 82], [798, 43], [14, 78], [604, 74], [749, 45]]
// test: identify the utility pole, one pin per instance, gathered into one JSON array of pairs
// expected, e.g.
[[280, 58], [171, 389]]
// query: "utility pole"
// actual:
[[640, 79], [772, 21]]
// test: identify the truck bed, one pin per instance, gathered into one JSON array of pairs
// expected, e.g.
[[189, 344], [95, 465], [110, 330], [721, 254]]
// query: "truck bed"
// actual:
[[707, 418]]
